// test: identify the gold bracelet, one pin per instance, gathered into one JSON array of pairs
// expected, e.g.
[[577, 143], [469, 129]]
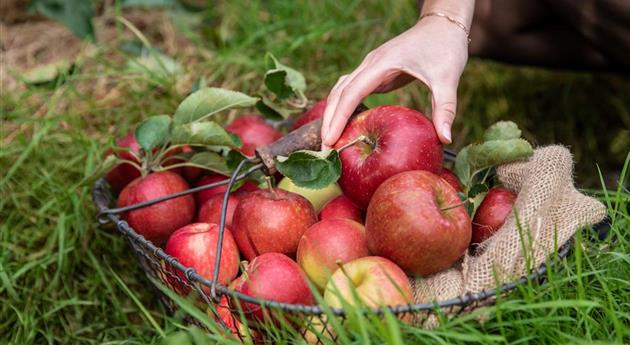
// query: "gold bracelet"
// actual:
[[450, 19]]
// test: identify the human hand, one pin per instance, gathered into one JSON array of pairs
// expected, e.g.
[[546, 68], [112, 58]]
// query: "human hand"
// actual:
[[433, 51]]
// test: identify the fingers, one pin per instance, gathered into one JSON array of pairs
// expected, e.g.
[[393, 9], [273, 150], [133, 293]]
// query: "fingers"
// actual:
[[344, 99], [444, 109]]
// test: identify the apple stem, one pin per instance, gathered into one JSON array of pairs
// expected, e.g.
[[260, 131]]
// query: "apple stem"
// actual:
[[362, 138], [269, 184], [455, 206]]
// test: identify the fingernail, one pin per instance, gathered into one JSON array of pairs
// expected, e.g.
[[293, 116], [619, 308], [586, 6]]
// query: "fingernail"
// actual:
[[446, 132]]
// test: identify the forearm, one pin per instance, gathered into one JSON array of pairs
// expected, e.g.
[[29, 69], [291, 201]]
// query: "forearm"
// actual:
[[461, 10]]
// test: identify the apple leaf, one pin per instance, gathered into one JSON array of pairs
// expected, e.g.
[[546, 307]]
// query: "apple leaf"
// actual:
[[311, 169], [204, 134], [477, 189], [153, 132], [210, 161], [496, 152], [462, 167], [502, 130], [233, 158], [271, 111], [283, 80], [208, 101]]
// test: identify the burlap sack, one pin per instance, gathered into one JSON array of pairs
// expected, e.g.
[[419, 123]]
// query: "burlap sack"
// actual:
[[548, 211]]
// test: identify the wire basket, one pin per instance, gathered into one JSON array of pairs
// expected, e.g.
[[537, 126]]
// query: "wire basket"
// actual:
[[166, 270]]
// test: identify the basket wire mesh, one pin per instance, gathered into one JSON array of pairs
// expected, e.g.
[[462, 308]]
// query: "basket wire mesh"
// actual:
[[166, 270]]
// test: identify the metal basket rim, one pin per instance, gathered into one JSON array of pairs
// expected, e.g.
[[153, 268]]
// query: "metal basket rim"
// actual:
[[102, 198]]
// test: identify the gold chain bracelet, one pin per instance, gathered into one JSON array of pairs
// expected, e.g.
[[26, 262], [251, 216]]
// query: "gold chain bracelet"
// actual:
[[450, 19]]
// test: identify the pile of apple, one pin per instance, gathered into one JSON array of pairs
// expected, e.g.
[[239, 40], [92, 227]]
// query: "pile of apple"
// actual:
[[396, 212]]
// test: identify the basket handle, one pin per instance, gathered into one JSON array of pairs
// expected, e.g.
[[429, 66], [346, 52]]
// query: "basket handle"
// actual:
[[307, 137]]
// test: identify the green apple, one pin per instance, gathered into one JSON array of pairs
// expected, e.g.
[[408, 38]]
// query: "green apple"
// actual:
[[317, 197]]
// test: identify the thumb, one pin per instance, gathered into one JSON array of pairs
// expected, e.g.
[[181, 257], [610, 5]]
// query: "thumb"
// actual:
[[444, 108]]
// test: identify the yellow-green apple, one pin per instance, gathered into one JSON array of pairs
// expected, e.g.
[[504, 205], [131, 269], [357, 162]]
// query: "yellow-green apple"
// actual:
[[451, 178], [271, 220], [210, 211], [340, 207], [314, 113], [397, 139], [491, 213], [157, 222], [195, 245], [328, 244], [254, 133], [373, 280], [122, 174], [275, 277], [417, 220], [317, 197]]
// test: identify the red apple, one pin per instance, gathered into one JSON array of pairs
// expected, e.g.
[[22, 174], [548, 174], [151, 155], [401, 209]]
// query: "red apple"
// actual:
[[254, 133], [231, 319], [398, 139], [122, 174], [271, 221], [316, 112], [210, 211], [491, 213], [451, 178], [328, 244], [157, 222], [195, 246], [275, 277], [204, 195], [341, 207], [413, 220], [373, 280]]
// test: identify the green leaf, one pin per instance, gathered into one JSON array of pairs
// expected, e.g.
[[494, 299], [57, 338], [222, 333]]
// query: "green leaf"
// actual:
[[496, 152], [209, 101], [502, 130], [311, 169], [203, 134], [462, 167], [154, 64], [47, 73], [477, 189], [474, 203], [272, 111], [153, 132], [283, 80], [210, 161], [74, 14]]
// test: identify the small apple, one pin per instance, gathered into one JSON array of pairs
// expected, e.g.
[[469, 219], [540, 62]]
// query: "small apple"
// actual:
[[271, 220], [341, 207], [195, 246], [328, 244], [417, 220], [491, 213], [210, 211], [317, 197], [397, 139], [122, 174], [254, 133], [374, 280], [275, 277], [314, 113], [157, 222], [451, 178]]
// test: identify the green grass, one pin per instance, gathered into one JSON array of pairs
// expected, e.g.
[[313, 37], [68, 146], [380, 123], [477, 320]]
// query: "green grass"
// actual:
[[66, 280]]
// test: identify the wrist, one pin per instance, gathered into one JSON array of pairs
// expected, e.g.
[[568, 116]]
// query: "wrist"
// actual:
[[459, 10]]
